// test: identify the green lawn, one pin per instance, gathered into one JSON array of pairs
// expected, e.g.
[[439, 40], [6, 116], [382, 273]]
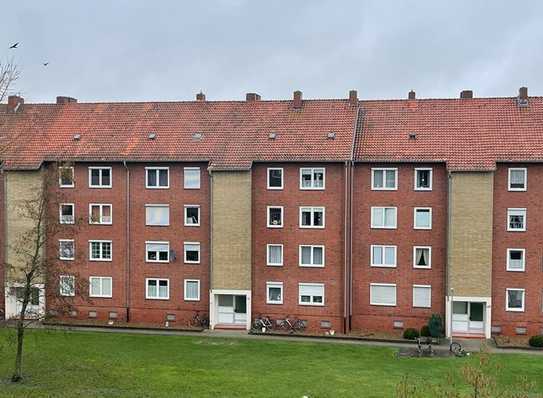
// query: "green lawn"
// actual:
[[66, 364]]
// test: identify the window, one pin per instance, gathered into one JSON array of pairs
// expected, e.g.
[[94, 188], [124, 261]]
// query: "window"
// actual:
[[514, 300], [312, 178], [422, 218], [66, 177], [311, 256], [422, 257], [422, 296], [311, 293], [383, 294], [157, 252], [157, 177], [515, 259], [274, 292], [192, 252], [516, 219], [275, 216], [34, 295], [67, 285], [157, 215], [383, 217], [192, 215], [66, 249], [274, 254], [100, 286], [100, 214], [384, 179], [191, 176], [383, 256], [67, 215], [423, 179], [100, 250], [157, 289], [517, 179], [311, 217], [275, 178], [192, 290], [99, 177]]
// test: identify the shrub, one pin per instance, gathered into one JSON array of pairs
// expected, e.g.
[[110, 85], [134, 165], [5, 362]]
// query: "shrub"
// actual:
[[435, 325], [536, 341], [425, 331], [410, 334]]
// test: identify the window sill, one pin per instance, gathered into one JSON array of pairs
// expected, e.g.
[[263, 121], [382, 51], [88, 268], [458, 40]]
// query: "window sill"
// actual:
[[310, 227], [383, 305], [311, 305], [100, 187], [373, 227], [66, 259], [100, 260], [514, 309], [516, 230], [421, 267], [310, 266], [274, 303], [382, 266], [191, 225], [274, 188], [384, 189], [312, 189], [274, 265], [515, 270], [102, 297], [157, 298], [168, 187]]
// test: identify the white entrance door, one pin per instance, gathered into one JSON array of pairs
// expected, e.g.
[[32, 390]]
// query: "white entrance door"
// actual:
[[468, 317], [225, 309]]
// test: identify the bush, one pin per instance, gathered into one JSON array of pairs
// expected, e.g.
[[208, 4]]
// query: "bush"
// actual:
[[536, 341], [410, 334], [435, 325], [425, 331]]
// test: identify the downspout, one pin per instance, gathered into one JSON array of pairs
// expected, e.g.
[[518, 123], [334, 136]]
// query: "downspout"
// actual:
[[346, 251], [211, 315], [128, 242], [448, 296]]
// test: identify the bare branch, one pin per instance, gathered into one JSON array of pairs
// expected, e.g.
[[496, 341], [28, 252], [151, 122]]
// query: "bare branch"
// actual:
[[9, 73]]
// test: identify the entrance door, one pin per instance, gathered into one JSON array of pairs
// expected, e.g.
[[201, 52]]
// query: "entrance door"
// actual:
[[240, 310], [225, 309], [460, 318], [476, 317]]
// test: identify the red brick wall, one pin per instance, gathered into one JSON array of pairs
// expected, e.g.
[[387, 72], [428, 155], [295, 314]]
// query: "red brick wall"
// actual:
[[2, 244], [531, 240], [370, 317], [291, 236]]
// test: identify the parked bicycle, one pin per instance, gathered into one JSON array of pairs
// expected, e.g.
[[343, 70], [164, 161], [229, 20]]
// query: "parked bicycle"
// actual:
[[198, 320], [292, 325], [261, 322], [421, 349], [457, 350]]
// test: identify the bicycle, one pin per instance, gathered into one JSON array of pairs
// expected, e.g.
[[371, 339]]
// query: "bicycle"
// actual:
[[457, 350], [199, 321], [261, 322], [294, 326], [422, 351]]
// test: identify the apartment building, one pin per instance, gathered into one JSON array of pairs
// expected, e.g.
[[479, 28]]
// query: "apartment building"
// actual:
[[352, 215]]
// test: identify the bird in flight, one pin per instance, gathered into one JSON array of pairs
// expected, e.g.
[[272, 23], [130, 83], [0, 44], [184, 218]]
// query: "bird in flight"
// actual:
[[14, 45], [45, 63]]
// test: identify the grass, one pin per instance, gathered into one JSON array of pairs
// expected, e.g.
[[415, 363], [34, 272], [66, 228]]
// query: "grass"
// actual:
[[87, 364]]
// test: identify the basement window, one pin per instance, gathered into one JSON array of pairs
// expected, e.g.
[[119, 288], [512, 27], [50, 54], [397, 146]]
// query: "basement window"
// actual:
[[516, 220], [517, 179]]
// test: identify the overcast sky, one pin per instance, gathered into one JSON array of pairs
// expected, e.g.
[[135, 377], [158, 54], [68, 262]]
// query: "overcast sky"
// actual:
[[105, 50]]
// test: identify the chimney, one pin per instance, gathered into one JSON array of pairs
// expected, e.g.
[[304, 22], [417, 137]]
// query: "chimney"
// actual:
[[522, 99], [353, 97], [252, 97], [297, 100], [65, 100], [412, 95], [200, 96], [466, 94], [14, 103]]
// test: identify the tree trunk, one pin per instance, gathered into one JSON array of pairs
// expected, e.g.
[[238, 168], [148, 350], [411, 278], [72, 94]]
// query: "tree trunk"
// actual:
[[18, 373]]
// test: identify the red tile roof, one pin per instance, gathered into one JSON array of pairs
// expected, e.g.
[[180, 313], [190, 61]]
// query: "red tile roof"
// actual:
[[234, 133], [468, 134]]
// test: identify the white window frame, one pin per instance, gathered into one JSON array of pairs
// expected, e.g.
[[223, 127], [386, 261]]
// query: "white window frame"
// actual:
[[157, 288], [268, 254], [60, 285], [101, 206], [185, 169], [417, 169], [312, 265], [71, 168], [268, 216], [101, 279], [268, 178], [509, 170], [185, 207], [274, 285], [311, 302], [384, 170], [509, 250], [60, 251], [156, 169], [514, 210], [156, 242], [429, 266], [415, 217], [60, 219], [507, 308], [312, 210], [101, 241], [312, 187], [185, 252], [372, 221], [383, 248], [422, 287], [101, 168], [150, 205], [385, 304], [185, 290]]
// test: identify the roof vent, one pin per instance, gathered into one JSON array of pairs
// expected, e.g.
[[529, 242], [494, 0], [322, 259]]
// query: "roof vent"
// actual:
[[331, 135], [252, 97], [197, 136], [272, 135], [77, 137], [200, 96], [152, 136], [412, 136], [522, 99], [466, 94], [412, 95]]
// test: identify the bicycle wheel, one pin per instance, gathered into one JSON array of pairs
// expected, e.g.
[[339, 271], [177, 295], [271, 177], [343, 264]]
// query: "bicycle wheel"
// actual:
[[456, 349]]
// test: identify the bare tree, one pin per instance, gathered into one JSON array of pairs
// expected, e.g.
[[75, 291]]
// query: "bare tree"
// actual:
[[9, 73], [36, 272]]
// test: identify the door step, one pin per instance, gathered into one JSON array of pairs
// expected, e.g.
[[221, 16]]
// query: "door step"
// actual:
[[229, 326]]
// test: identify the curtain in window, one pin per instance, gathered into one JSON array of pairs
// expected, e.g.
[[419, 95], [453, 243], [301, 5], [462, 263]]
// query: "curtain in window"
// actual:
[[274, 293], [422, 257], [390, 256], [163, 289], [319, 178], [151, 288], [377, 255], [95, 287], [390, 178], [157, 215], [317, 256], [192, 289], [515, 298], [390, 217], [306, 255], [275, 255], [317, 218], [378, 178], [517, 178], [422, 296]]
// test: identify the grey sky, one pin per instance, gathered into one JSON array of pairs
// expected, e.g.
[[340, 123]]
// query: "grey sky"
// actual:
[[168, 50]]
